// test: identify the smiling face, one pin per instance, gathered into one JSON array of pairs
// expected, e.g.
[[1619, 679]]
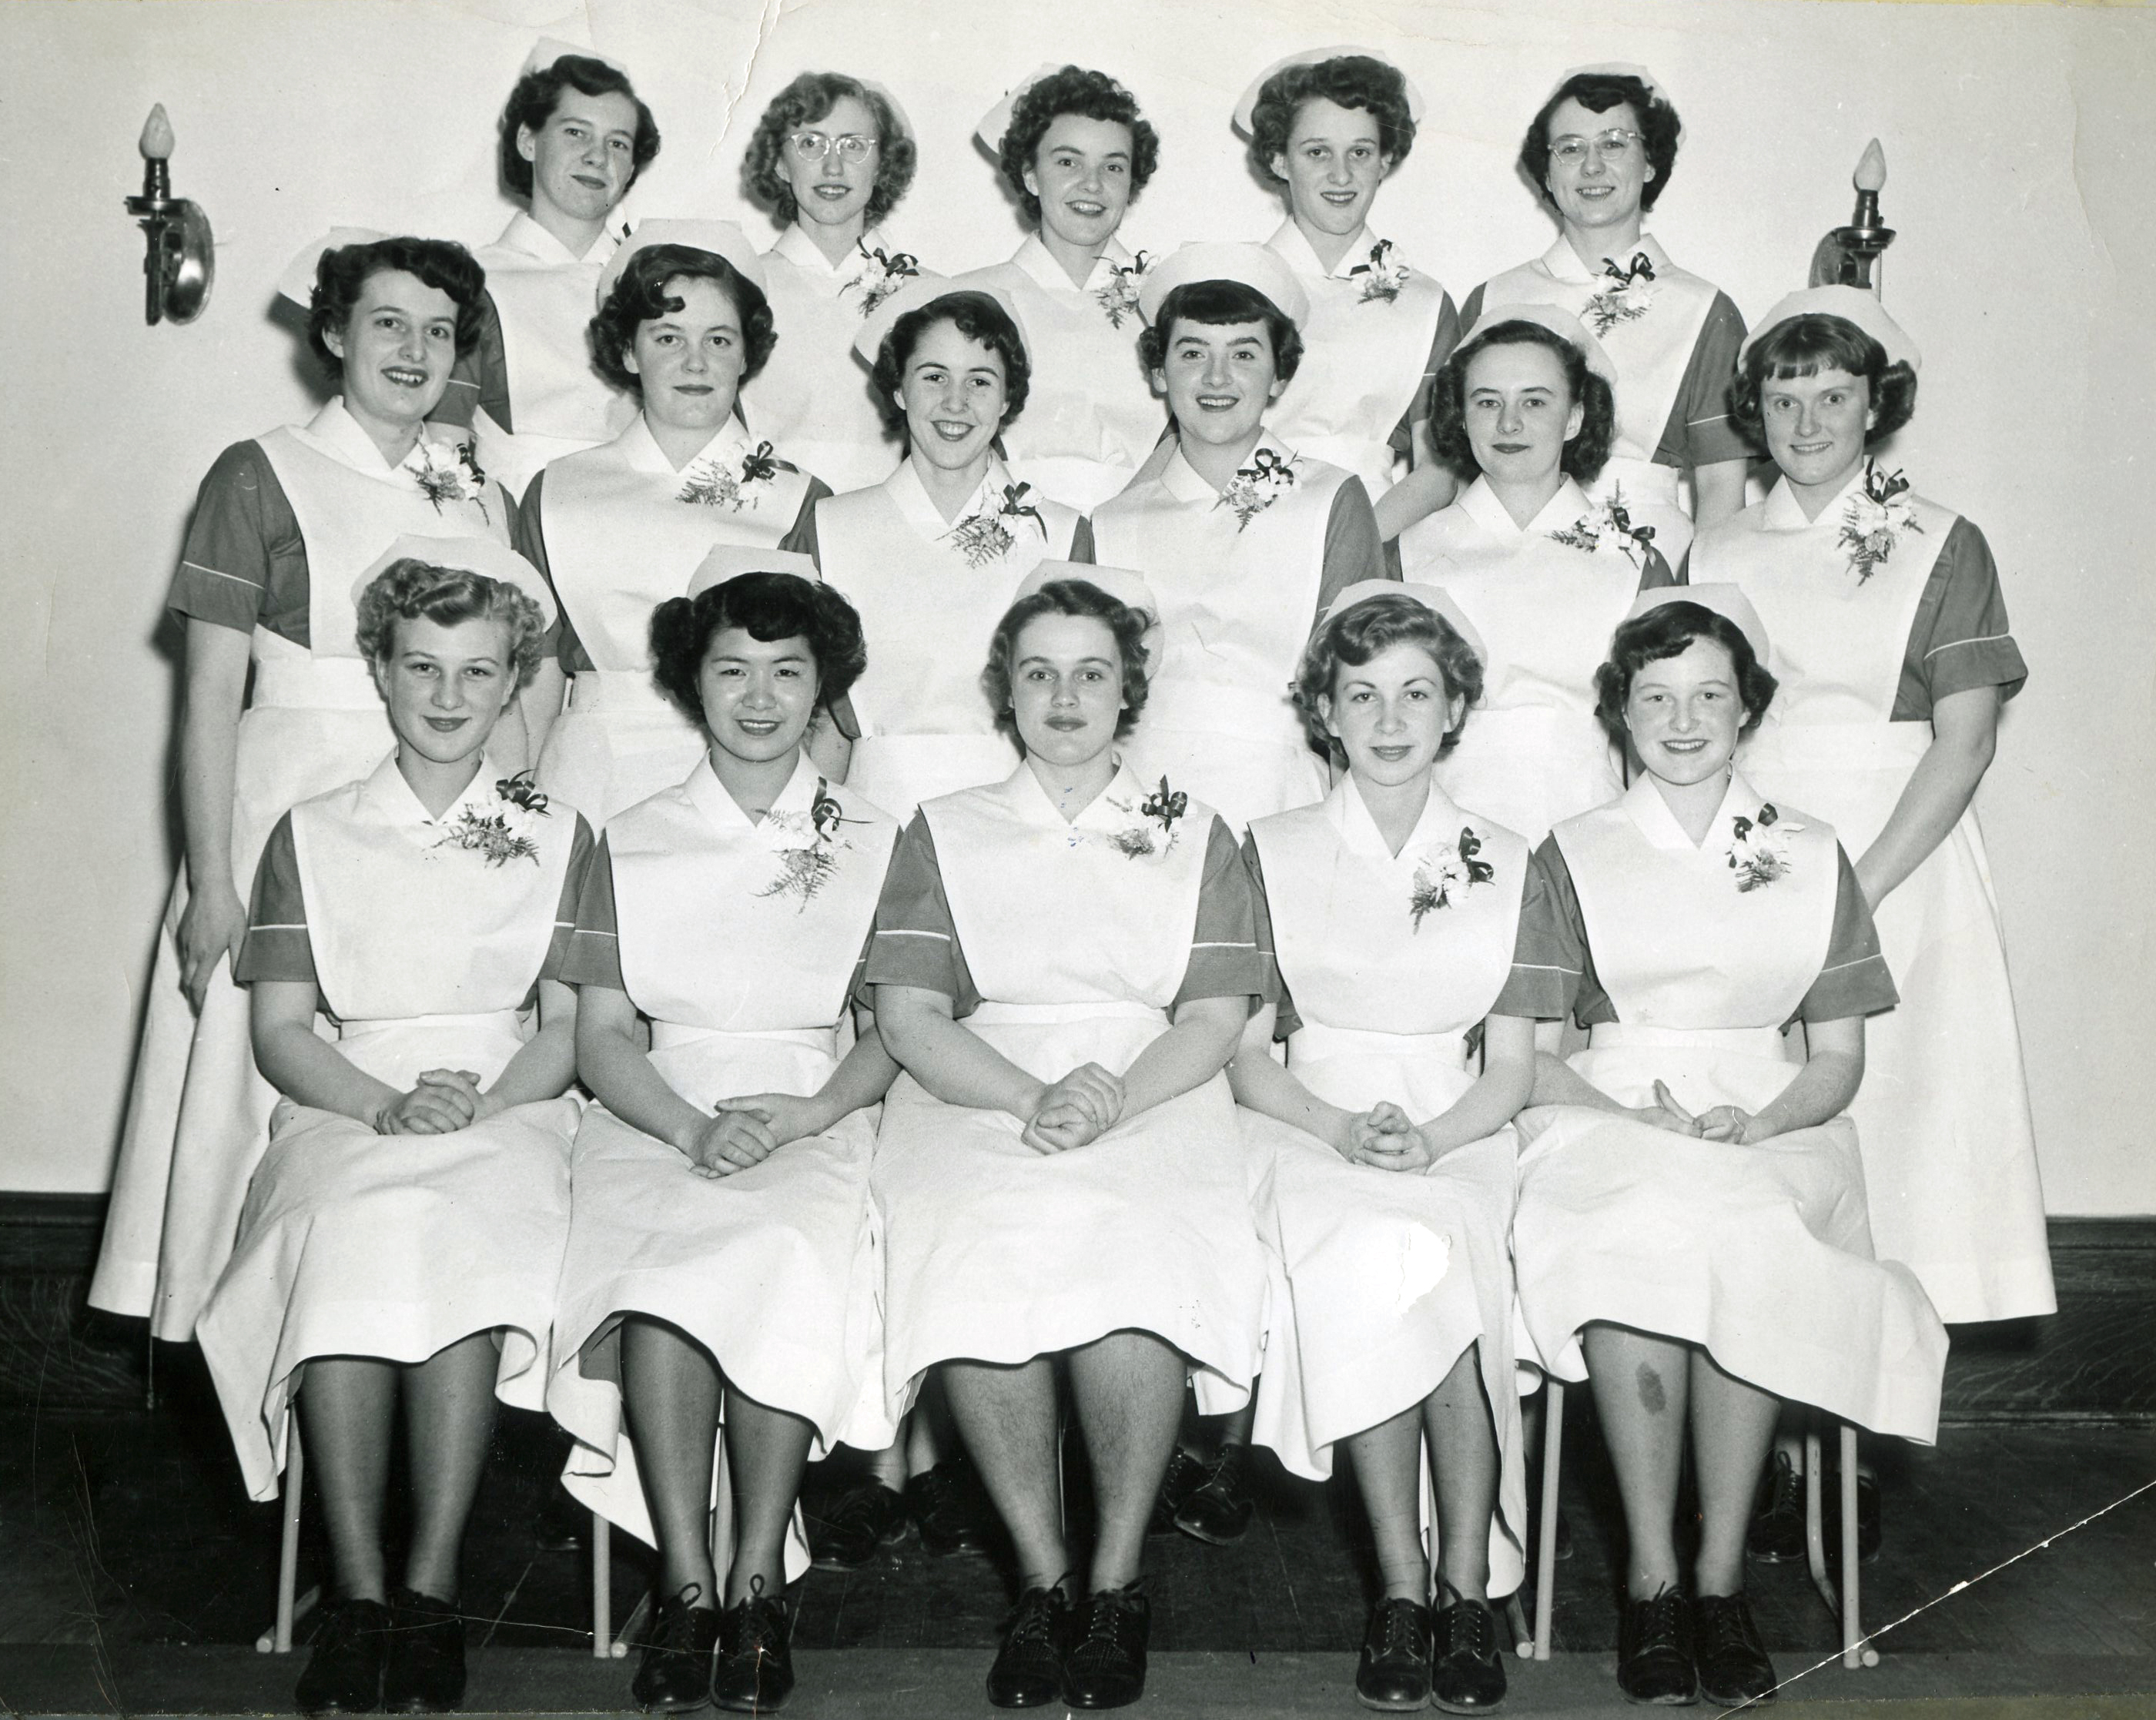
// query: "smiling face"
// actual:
[[1686, 712], [1066, 679], [690, 361], [1391, 714], [1602, 188], [584, 156], [757, 695], [1081, 174], [1333, 165], [1519, 411], [952, 392], [1219, 378], [831, 187], [446, 686], [396, 348], [1815, 426]]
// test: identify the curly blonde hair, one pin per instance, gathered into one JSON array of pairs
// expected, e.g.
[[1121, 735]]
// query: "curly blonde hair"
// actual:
[[408, 588]]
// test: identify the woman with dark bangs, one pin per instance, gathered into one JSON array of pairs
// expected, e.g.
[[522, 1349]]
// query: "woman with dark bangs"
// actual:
[[682, 325], [830, 159]]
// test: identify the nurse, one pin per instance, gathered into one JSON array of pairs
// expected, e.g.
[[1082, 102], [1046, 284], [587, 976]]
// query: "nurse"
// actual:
[[682, 324], [830, 159], [1063, 962], [1691, 1235], [1075, 151], [722, 1255], [1523, 412], [283, 526], [1401, 924], [1892, 642], [1330, 127], [403, 1233], [1246, 539], [574, 137]]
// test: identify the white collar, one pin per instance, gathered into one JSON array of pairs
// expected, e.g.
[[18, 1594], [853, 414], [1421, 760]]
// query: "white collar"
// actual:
[[387, 798], [915, 506], [1650, 814], [1038, 263], [1295, 250], [525, 234], [795, 245], [1180, 479], [1561, 260], [1780, 512], [341, 437], [640, 451], [1349, 814], [723, 813]]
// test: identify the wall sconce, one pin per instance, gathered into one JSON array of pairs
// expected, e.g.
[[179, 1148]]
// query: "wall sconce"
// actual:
[[1845, 255], [181, 259]]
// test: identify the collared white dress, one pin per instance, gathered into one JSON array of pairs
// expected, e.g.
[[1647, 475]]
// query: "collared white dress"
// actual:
[[1685, 963], [1091, 416], [617, 530], [424, 951], [1387, 963], [283, 527], [1545, 597], [741, 942], [1949, 1152], [1060, 943]]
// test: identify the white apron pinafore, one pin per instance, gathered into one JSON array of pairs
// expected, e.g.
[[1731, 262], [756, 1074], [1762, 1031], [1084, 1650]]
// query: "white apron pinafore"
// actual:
[[1949, 1150], [1760, 1253], [775, 1271], [928, 610], [356, 1244], [1390, 1277], [198, 1112]]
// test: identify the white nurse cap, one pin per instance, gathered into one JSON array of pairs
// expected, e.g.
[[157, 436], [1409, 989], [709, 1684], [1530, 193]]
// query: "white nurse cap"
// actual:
[[469, 555], [997, 121], [720, 238], [549, 49], [1126, 586], [297, 282], [1246, 105], [728, 560], [1727, 601], [1852, 305], [1433, 597], [918, 294], [1611, 68], [1259, 267], [1559, 323]]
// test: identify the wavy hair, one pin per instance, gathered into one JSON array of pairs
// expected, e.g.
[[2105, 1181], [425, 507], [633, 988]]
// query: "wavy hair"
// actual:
[[1585, 454], [1668, 630], [639, 295], [1358, 633], [1599, 92], [1089, 95], [409, 589], [537, 94], [343, 271], [1803, 346], [1069, 597], [807, 99]]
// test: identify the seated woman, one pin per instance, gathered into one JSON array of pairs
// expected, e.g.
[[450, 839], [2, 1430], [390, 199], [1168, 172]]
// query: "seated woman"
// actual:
[[402, 1232], [1692, 1211], [682, 324], [720, 1251], [1063, 962], [1523, 414], [1401, 924]]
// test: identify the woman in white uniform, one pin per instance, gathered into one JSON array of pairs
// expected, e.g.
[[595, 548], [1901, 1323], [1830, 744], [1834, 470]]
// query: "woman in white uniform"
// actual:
[[405, 1229], [1523, 412], [618, 529], [283, 526], [1063, 962], [830, 159], [721, 1252], [1398, 922], [1691, 1235], [1075, 152]]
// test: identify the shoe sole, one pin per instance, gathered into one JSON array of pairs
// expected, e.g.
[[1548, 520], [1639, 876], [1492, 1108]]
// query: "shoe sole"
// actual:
[[688, 1707], [1184, 1528], [1658, 1702], [1736, 1699], [1468, 1707], [1392, 1707]]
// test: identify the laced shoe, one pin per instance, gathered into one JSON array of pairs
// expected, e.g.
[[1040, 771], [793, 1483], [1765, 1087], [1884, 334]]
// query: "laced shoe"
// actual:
[[1105, 1667], [1394, 1674]]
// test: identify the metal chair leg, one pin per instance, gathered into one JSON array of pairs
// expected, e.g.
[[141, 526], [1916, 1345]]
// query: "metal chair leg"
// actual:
[[291, 1608], [1855, 1651], [1546, 1534], [603, 1644]]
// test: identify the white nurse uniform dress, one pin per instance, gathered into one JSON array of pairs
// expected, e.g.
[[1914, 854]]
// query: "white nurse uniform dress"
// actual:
[[1949, 1153], [617, 531], [425, 936], [283, 527], [1545, 597], [1060, 943], [1684, 964], [741, 942]]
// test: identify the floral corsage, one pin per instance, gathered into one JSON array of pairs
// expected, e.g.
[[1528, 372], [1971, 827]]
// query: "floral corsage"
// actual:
[[1759, 847], [1118, 295], [1381, 280], [1448, 867], [803, 871], [707, 482], [447, 473], [503, 835], [985, 536], [1258, 485], [1163, 806], [1873, 522], [884, 274], [1614, 522], [1630, 296]]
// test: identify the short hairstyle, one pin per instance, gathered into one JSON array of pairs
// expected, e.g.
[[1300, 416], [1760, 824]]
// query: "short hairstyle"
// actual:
[[1803, 346], [1358, 634], [1599, 92], [1584, 456], [343, 271], [1068, 597], [1351, 80], [1668, 630], [807, 99], [641, 294], [536, 96], [1218, 304], [767, 606], [976, 316], [409, 588], [1092, 95]]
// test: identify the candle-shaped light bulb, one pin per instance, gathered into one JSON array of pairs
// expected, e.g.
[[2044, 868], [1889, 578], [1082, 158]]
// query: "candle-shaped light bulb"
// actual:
[[1872, 172], [157, 144]]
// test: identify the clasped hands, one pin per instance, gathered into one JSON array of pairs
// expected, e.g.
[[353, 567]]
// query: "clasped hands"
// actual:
[[1383, 1138], [747, 1130], [1720, 1122], [1073, 1111], [444, 1101]]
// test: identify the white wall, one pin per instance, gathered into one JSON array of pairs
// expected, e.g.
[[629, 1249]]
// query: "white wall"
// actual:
[[2018, 141]]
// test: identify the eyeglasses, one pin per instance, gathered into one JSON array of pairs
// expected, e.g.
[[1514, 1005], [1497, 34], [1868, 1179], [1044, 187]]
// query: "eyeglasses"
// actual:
[[1613, 147], [815, 146]]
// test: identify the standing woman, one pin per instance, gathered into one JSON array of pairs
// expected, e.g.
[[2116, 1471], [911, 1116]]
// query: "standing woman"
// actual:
[[682, 323], [1892, 642], [1075, 151], [721, 1254], [830, 159], [283, 527], [1523, 414]]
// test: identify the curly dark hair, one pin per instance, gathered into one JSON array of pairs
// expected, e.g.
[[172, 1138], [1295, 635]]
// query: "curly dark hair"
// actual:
[[408, 588], [537, 94], [1803, 346], [1218, 304], [1585, 454], [976, 316], [1069, 597], [767, 606], [1667, 630], [1358, 634], [1351, 80], [1092, 95], [807, 99], [1599, 92], [639, 295], [442, 264]]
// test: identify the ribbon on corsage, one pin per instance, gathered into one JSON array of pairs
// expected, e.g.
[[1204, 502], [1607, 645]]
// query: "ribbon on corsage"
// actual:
[[1139, 839], [1258, 485], [985, 536], [1759, 849], [1628, 297], [1872, 521], [1613, 522], [805, 868], [1117, 296], [884, 274], [1382, 279], [1443, 869], [448, 473], [505, 833], [706, 482]]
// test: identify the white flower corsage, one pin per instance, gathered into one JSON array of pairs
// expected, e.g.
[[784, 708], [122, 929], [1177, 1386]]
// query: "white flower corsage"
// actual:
[[708, 483], [882, 274], [1759, 847], [985, 536], [803, 871], [1139, 839], [1613, 522], [446, 473], [1118, 295], [1258, 485], [1442, 871], [505, 835], [1628, 297], [1872, 523], [1381, 280]]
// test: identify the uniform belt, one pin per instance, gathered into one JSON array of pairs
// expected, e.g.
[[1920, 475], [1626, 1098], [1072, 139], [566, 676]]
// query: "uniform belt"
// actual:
[[1765, 1042], [1315, 1042]]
